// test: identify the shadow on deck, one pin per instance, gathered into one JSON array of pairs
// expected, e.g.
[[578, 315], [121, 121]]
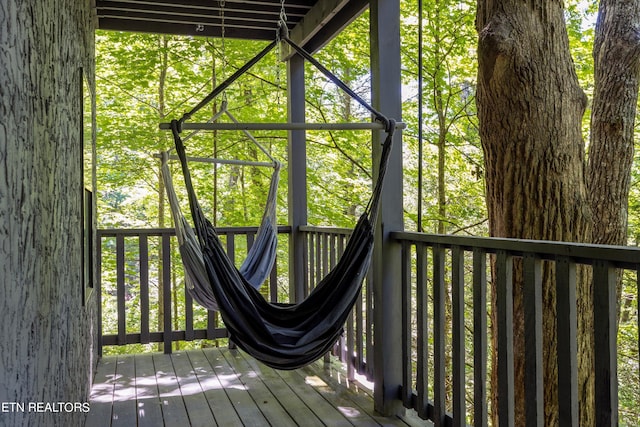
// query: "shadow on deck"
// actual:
[[218, 386]]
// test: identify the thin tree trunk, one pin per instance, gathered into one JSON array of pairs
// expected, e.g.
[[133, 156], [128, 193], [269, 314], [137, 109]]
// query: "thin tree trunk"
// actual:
[[616, 54], [530, 108]]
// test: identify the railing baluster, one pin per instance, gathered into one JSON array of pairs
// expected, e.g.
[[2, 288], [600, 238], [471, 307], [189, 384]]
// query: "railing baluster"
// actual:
[[457, 296], [605, 340], [188, 315], [422, 329], [325, 254], [120, 291], [273, 281], [306, 259], [504, 294], [439, 385], [347, 355], [369, 326], [231, 246], [407, 343], [480, 408], [359, 330], [212, 324], [312, 264], [143, 245], [567, 342], [318, 273], [332, 250], [166, 280], [359, 343], [250, 239], [532, 301]]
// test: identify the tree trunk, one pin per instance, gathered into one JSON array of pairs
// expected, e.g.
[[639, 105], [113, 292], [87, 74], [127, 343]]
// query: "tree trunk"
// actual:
[[530, 108], [616, 54]]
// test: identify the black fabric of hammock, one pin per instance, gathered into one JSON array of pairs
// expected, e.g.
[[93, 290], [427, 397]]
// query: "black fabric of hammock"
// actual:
[[286, 336]]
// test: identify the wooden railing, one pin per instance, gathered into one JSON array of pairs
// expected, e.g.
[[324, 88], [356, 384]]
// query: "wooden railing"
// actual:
[[144, 283], [446, 334], [445, 294], [323, 248]]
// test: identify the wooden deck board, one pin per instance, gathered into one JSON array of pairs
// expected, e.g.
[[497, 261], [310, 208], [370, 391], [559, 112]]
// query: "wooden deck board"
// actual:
[[124, 392], [221, 387], [249, 413], [148, 405], [213, 390], [198, 409], [295, 406], [329, 414], [174, 411], [102, 394], [269, 404], [339, 398]]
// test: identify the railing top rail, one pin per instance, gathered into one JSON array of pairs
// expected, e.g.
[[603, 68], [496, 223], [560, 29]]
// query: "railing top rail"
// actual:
[[325, 229], [584, 253], [112, 232]]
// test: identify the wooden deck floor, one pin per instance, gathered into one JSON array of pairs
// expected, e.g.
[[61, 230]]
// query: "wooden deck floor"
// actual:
[[226, 388]]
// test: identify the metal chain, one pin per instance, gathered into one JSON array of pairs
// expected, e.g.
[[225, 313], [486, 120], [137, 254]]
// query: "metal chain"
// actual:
[[283, 12]]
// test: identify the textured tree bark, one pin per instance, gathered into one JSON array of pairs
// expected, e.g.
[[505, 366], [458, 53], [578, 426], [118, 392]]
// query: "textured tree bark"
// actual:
[[530, 108], [616, 54], [45, 346]]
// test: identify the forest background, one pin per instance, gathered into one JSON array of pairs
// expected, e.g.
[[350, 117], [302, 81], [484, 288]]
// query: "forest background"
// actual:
[[145, 79]]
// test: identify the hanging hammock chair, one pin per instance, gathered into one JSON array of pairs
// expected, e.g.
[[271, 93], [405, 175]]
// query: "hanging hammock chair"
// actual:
[[285, 336]]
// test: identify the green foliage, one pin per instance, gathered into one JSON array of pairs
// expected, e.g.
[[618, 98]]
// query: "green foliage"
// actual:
[[449, 123]]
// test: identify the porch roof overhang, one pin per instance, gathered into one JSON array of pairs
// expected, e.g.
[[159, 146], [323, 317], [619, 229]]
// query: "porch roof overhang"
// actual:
[[312, 23]]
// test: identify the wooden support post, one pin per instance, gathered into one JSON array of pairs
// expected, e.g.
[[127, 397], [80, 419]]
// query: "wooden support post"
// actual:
[[297, 196], [387, 261]]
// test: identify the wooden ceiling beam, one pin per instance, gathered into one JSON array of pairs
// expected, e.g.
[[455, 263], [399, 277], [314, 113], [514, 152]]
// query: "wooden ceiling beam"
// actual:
[[186, 15], [325, 19], [184, 29], [312, 22]]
